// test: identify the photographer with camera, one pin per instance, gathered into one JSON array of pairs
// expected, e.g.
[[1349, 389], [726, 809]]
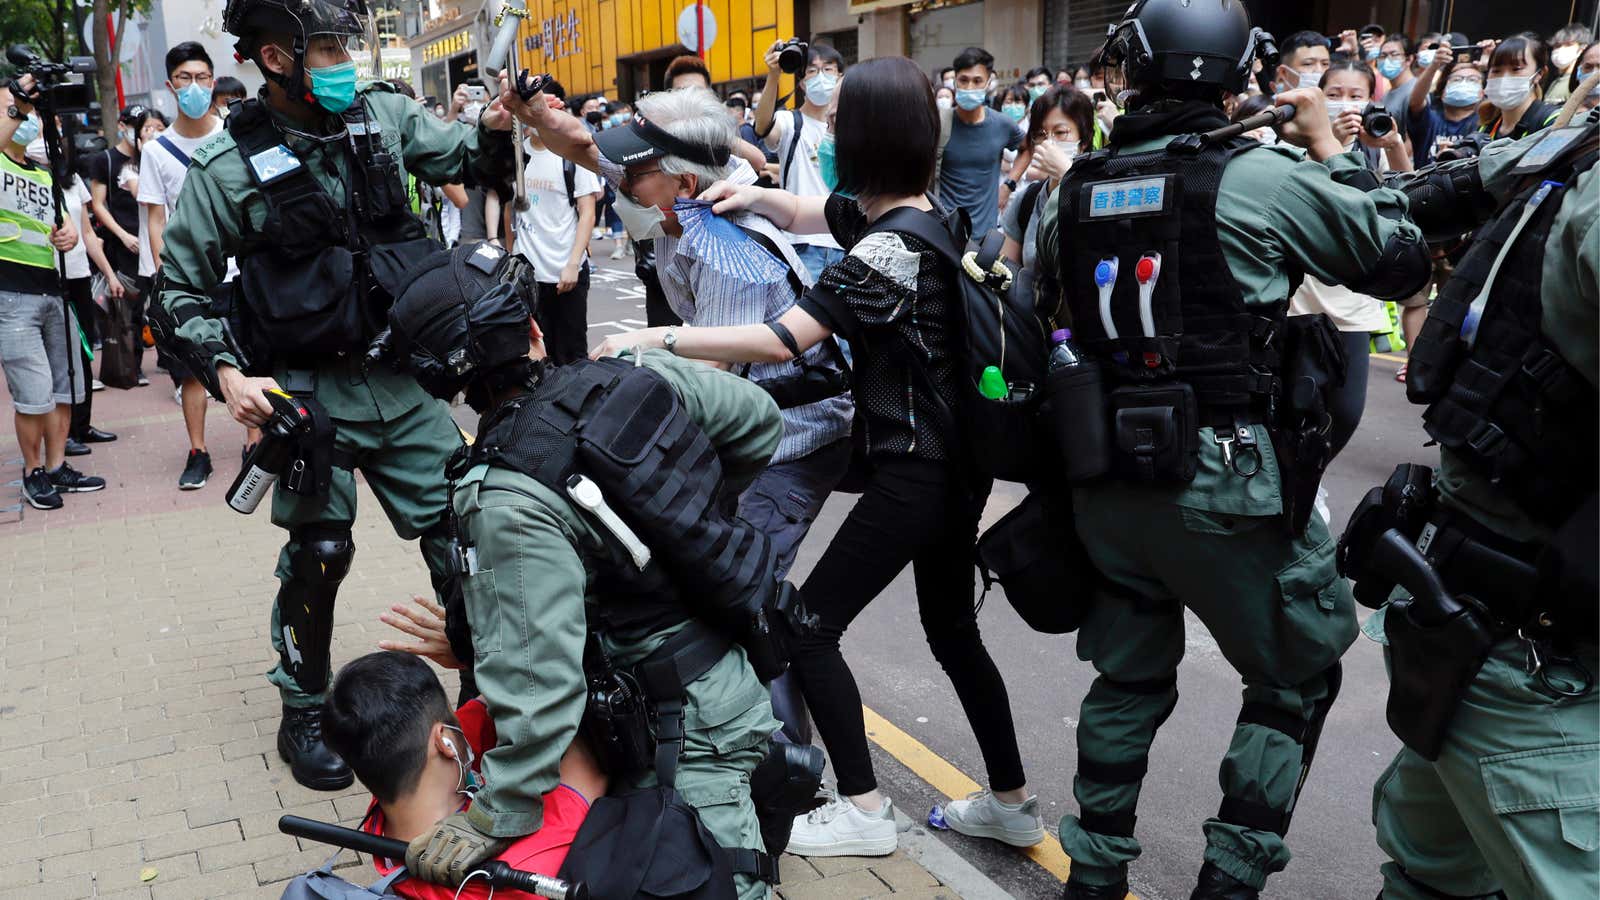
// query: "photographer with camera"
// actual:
[[797, 134], [37, 335], [1450, 81]]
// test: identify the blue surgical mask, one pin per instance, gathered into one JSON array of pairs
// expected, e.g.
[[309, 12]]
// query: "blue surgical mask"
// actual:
[[1015, 110], [971, 99], [334, 86], [819, 87], [1391, 68], [1425, 58], [27, 130], [828, 162], [1037, 91], [194, 101], [1373, 53], [1462, 93]]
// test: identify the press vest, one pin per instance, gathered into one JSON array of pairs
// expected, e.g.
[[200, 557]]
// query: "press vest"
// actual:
[[1195, 326], [26, 206], [1504, 400], [624, 427]]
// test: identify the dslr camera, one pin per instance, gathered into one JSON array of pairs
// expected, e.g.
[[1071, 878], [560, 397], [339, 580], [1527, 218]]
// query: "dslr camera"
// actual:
[[792, 56], [1376, 121]]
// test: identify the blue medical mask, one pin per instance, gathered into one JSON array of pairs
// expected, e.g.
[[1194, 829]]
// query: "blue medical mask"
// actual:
[[1425, 57], [1037, 91], [1462, 93], [1391, 68], [828, 161], [819, 87], [194, 101], [971, 99], [27, 130], [1372, 53], [1015, 110], [334, 86]]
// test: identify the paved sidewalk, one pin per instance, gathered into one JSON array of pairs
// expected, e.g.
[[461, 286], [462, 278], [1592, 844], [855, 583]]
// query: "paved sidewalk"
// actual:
[[137, 734]]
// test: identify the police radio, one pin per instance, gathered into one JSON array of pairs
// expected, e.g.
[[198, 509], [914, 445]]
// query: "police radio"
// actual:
[[276, 451]]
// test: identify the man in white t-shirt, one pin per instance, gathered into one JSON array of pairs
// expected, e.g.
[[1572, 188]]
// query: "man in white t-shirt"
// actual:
[[553, 234], [799, 169], [162, 168]]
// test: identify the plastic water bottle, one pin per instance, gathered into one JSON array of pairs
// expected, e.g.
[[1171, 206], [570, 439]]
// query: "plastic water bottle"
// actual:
[[1063, 355]]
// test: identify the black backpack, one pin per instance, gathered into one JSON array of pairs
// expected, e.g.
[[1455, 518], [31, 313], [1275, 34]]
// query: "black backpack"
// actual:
[[1000, 437]]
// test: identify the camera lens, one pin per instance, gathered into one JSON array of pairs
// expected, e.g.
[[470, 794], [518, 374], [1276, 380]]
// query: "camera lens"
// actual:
[[1376, 121], [792, 58]]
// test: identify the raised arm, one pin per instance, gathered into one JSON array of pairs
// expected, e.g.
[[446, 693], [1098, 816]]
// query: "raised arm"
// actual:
[[800, 215]]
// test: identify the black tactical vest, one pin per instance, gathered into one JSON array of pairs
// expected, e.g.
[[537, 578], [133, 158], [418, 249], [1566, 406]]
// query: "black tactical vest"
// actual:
[[318, 276], [623, 426], [1501, 397], [1123, 206]]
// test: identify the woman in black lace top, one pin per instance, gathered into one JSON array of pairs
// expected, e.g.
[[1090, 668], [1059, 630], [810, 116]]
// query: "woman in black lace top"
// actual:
[[894, 300]]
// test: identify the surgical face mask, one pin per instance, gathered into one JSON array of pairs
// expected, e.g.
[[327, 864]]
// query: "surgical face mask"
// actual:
[[1083, 84], [1337, 108], [1462, 93], [1037, 91], [334, 86], [1508, 92], [468, 783], [950, 84], [943, 102], [819, 87], [828, 161], [194, 101], [1308, 79], [1425, 58], [27, 130], [642, 222], [1372, 53], [1070, 148], [1015, 110], [1564, 56], [1391, 68], [971, 99]]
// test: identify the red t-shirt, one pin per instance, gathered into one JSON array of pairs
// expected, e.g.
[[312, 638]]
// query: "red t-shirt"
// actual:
[[542, 852]]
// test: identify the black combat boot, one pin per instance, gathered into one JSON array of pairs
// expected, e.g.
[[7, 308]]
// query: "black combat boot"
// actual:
[[1216, 884], [311, 762], [1077, 890]]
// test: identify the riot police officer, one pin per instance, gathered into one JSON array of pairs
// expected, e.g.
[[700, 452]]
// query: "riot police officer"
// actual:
[[593, 547], [1491, 651], [306, 189], [1176, 251]]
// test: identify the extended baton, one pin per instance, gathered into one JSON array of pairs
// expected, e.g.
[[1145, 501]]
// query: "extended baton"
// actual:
[[500, 875], [1274, 116], [502, 59]]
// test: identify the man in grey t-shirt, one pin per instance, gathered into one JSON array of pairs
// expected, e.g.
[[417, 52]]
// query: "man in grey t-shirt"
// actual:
[[969, 173]]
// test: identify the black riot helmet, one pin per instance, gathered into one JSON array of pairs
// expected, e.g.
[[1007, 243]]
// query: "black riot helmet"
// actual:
[[1186, 48], [302, 20], [461, 323]]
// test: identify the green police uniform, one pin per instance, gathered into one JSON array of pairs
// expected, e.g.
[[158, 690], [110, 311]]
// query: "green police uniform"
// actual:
[[386, 426], [528, 604], [1512, 804], [1216, 545]]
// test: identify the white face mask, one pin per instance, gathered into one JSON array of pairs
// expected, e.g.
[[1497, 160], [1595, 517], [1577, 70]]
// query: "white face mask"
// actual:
[[1264, 135], [643, 222], [1337, 108], [1070, 148], [1508, 91], [1309, 79], [1425, 58], [944, 102], [1563, 57], [1083, 84]]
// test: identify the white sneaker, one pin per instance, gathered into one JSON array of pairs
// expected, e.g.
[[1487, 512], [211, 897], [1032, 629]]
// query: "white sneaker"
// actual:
[[840, 828], [616, 252], [981, 815]]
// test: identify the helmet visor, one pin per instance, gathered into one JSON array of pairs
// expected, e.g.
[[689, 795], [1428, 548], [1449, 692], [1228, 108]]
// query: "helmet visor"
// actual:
[[340, 18]]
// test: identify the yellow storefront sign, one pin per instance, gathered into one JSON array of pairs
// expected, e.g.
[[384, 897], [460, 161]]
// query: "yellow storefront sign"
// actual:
[[581, 41], [447, 47]]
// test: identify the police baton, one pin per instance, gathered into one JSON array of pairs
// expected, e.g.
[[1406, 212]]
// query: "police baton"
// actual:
[[1272, 117], [499, 874]]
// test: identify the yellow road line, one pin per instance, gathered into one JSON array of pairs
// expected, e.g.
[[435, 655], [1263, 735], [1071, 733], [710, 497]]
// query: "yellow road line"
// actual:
[[1391, 357], [953, 783]]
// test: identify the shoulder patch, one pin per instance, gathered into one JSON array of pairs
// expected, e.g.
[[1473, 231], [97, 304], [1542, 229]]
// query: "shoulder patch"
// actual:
[[886, 253], [220, 143]]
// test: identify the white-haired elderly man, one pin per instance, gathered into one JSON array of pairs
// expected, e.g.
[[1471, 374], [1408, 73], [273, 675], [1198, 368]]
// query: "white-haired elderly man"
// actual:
[[677, 144]]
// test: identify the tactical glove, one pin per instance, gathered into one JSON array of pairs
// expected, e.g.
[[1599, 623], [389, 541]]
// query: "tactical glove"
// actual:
[[450, 852]]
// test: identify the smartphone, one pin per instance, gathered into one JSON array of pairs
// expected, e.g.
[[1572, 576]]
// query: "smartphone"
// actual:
[[1468, 54], [477, 92], [1098, 97]]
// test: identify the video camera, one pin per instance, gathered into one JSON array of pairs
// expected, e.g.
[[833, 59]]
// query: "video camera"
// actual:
[[54, 92]]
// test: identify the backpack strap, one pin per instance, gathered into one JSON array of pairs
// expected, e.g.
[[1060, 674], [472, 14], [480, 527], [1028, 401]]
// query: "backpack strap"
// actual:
[[172, 148], [569, 173], [766, 243], [1029, 198], [788, 156]]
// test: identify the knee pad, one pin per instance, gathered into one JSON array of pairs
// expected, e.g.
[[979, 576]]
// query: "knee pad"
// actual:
[[783, 786], [1303, 731], [305, 602]]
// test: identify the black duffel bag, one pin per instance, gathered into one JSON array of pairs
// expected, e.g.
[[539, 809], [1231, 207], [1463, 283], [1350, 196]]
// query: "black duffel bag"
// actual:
[[647, 843], [1036, 556]]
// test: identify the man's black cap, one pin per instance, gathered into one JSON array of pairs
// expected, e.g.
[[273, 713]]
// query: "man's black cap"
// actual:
[[642, 140], [134, 115]]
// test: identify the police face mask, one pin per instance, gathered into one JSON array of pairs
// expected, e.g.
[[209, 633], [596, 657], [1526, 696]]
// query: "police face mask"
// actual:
[[642, 222], [971, 99], [1509, 91], [334, 86], [819, 87], [1391, 68], [27, 130], [194, 101]]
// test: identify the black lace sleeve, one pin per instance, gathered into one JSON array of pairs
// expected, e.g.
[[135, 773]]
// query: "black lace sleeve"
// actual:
[[846, 221]]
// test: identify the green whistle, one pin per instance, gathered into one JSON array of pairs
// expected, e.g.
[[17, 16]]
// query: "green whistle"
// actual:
[[992, 385]]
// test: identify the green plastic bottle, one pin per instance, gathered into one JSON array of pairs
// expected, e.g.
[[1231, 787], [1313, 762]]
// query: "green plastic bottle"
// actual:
[[992, 385]]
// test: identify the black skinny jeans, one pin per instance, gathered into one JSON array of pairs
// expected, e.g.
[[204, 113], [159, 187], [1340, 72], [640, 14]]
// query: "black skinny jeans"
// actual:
[[912, 511]]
